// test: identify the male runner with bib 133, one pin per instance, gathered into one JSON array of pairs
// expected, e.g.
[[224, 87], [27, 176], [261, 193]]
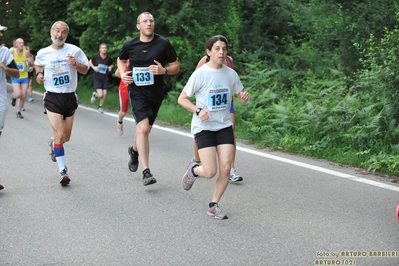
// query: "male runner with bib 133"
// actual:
[[148, 55]]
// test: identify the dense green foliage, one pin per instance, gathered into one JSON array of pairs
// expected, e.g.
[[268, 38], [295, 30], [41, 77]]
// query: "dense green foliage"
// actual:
[[323, 75]]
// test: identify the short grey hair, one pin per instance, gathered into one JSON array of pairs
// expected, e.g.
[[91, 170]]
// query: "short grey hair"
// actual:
[[60, 22]]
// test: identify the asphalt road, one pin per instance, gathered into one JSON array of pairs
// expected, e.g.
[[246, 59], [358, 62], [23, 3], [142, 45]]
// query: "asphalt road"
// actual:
[[289, 210]]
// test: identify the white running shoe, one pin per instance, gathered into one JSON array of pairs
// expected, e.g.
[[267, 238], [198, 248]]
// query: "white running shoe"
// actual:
[[234, 177], [64, 177], [216, 212], [188, 178], [52, 155], [195, 161], [93, 97], [119, 128]]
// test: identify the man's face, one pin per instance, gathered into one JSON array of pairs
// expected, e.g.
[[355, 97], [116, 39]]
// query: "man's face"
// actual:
[[146, 25], [19, 43], [1, 34], [103, 49], [59, 34]]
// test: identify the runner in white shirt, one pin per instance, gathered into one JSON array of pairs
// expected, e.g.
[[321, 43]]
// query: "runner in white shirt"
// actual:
[[57, 67], [213, 85], [234, 176], [7, 67]]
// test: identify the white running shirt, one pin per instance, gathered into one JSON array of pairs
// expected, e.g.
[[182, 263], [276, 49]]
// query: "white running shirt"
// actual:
[[6, 58], [213, 89], [60, 77]]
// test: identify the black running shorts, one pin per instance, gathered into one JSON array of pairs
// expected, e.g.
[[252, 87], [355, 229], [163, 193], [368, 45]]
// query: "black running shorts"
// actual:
[[144, 106], [101, 84], [207, 138], [61, 103]]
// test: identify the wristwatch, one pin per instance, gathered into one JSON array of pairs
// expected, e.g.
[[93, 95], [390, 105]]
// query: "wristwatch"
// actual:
[[166, 71], [198, 111]]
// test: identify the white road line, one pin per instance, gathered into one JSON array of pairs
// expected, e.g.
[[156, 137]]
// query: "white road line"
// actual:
[[321, 169]]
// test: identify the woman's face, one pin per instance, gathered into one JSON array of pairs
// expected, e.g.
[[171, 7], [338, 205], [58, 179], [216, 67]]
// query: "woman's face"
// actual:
[[218, 53]]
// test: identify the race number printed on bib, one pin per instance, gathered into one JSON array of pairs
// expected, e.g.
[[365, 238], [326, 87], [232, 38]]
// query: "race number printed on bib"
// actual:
[[218, 99], [21, 66], [142, 76], [61, 78], [102, 68]]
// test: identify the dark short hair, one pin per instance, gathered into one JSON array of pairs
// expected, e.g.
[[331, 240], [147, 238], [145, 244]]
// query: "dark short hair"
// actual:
[[211, 42]]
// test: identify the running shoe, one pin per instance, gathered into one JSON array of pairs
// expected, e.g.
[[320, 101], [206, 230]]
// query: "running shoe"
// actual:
[[13, 100], [51, 144], [19, 115], [188, 178], [93, 97], [148, 178], [31, 98], [194, 160], [134, 159], [1, 187], [234, 177], [100, 110], [64, 177], [119, 128], [23, 109], [216, 212]]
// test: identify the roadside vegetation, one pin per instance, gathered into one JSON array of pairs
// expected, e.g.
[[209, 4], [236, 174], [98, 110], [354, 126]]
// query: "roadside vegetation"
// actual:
[[323, 75]]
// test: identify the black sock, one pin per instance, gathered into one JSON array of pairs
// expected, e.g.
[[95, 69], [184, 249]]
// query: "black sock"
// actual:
[[192, 170], [120, 122], [211, 204]]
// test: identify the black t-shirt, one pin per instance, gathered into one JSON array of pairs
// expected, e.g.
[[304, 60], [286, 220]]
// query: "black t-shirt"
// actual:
[[143, 54], [107, 61]]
